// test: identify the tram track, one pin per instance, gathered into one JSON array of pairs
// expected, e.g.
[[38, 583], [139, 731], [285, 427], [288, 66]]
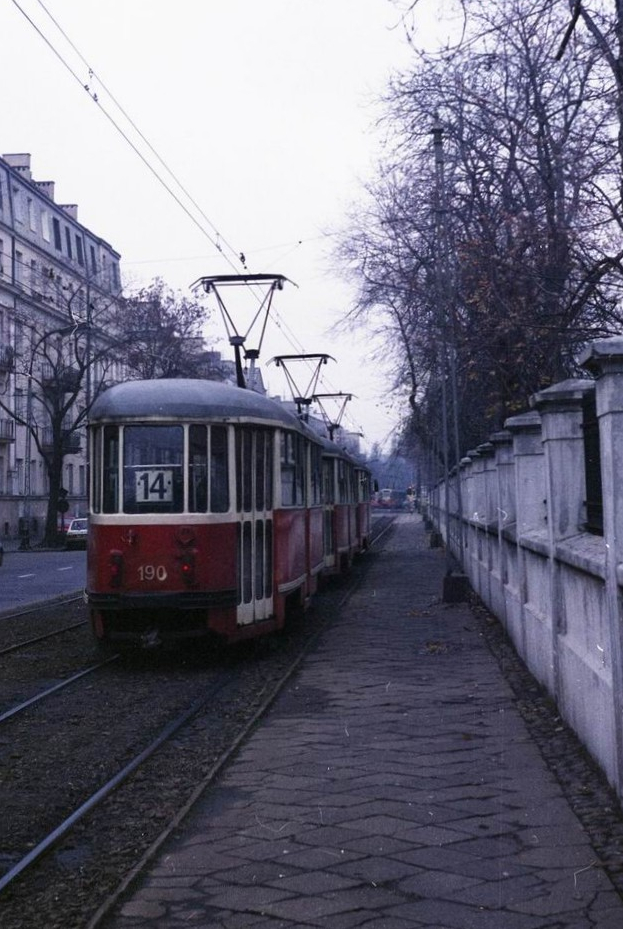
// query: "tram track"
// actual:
[[21, 629], [117, 820], [40, 638], [40, 607], [171, 728], [50, 691]]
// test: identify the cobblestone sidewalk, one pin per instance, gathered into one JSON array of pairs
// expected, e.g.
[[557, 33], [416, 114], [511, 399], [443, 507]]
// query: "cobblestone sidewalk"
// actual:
[[394, 784]]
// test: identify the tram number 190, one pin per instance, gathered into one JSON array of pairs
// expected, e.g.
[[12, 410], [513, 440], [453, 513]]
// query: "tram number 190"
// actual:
[[152, 572]]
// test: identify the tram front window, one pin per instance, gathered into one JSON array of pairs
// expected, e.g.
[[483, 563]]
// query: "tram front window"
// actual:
[[152, 469]]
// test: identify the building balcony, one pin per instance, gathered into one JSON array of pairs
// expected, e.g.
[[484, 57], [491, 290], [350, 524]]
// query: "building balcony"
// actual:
[[66, 380], [70, 441], [7, 430]]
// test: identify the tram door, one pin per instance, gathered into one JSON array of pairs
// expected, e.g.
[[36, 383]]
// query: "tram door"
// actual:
[[254, 501], [328, 498]]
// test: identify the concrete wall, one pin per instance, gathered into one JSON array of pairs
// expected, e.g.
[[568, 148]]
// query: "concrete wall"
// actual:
[[555, 586]]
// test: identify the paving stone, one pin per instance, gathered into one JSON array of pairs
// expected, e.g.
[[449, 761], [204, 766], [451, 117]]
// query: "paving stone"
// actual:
[[392, 785]]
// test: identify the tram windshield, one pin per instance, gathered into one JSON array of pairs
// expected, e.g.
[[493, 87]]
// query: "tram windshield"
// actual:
[[153, 457], [146, 465]]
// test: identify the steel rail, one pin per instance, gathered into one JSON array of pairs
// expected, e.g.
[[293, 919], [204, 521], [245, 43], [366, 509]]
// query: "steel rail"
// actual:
[[169, 730], [52, 690], [40, 605], [40, 638], [382, 530]]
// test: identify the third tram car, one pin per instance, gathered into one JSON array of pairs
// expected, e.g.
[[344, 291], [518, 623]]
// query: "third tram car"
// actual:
[[211, 507]]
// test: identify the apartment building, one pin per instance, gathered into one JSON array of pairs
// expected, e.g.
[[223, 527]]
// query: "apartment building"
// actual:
[[55, 275]]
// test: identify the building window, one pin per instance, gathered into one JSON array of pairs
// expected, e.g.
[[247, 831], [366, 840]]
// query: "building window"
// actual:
[[70, 478], [57, 234], [19, 263], [79, 251], [32, 214], [68, 241], [93, 261], [1, 257], [115, 276], [82, 480], [45, 225], [17, 205], [33, 274]]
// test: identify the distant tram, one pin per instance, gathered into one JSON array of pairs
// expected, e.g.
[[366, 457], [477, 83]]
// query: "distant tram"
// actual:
[[211, 509]]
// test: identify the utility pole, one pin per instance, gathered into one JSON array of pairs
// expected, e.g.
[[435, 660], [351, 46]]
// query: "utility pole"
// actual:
[[447, 328]]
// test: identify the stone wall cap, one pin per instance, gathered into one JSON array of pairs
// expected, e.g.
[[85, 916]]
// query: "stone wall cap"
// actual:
[[525, 422], [574, 389], [603, 352]]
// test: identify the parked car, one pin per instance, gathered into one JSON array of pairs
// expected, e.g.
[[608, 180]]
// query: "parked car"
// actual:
[[76, 535]]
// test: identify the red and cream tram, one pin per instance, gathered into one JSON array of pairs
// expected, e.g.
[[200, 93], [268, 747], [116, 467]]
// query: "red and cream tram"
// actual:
[[208, 511]]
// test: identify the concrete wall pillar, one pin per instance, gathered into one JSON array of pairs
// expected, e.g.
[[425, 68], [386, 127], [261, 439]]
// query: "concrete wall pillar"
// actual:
[[560, 408], [505, 465], [529, 471], [604, 359]]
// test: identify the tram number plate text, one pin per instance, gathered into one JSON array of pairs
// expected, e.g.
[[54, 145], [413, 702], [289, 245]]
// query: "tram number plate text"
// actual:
[[154, 485], [152, 572]]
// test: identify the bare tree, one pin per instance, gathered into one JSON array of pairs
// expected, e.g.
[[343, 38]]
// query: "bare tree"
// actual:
[[60, 367], [532, 213], [162, 333]]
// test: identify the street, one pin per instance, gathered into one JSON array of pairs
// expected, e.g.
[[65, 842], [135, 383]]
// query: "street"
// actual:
[[26, 577]]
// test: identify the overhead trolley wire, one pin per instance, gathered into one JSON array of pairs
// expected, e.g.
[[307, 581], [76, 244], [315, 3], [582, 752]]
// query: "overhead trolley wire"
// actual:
[[217, 240], [214, 241], [123, 111]]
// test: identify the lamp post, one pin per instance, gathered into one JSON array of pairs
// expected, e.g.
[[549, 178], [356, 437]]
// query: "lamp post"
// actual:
[[446, 320]]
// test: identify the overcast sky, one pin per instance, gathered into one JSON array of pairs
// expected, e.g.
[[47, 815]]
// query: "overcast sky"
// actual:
[[263, 109]]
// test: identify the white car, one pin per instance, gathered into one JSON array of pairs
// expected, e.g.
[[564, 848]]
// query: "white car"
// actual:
[[77, 531]]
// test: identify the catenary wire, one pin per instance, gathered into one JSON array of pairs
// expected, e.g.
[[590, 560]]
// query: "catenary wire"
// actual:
[[216, 242]]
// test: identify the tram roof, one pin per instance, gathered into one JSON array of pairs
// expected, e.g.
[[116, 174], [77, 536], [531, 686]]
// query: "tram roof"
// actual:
[[190, 399]]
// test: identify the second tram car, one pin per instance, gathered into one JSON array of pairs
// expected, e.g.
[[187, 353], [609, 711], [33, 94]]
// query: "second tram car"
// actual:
[[211, 507]]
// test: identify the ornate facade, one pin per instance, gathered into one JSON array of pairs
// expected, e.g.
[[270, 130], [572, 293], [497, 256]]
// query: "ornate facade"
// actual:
[[55, 277]]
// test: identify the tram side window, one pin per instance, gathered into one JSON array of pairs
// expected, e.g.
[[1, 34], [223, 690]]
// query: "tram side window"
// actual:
[[96, 469], [254, 469], [152, 469], [328, 481], [316, 474], [363, 486], [219, 486], [260, 470], [198, 469], [110, 456], [292, 469], [200, 477], [342, 481]]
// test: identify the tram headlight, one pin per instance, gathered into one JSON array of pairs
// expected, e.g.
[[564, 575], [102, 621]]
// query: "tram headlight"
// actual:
[[115, 568], [187, 566]]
